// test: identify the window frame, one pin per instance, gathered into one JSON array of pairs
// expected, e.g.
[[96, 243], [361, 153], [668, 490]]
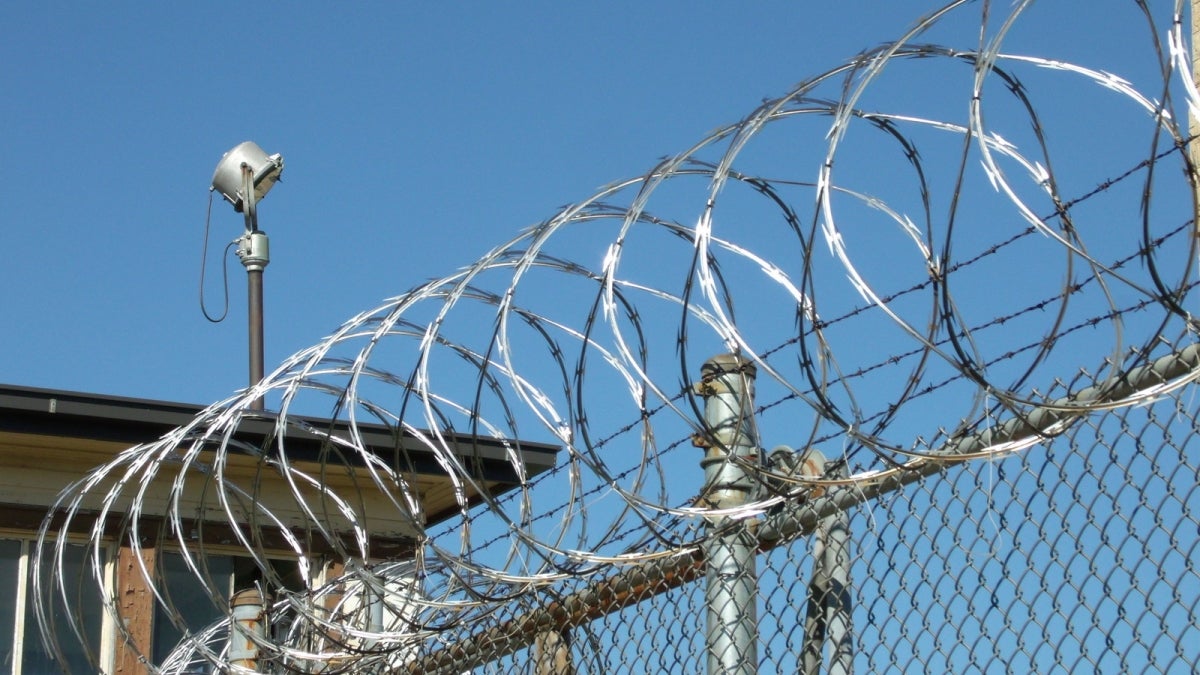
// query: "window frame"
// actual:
[[23, 630]]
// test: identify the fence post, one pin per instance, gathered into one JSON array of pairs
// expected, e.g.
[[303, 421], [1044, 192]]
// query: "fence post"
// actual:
[[730, 439], [552, 653], [829, 607], [247, 628]]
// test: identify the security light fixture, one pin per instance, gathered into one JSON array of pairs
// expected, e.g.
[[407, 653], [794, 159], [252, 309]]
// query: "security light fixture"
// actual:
[[246, 161]]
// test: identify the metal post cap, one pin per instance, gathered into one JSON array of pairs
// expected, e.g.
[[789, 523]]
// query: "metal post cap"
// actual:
[[728, 363]]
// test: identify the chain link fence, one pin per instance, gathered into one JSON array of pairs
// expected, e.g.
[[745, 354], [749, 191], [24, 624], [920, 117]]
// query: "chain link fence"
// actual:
[[1077, 554], [982, 363]]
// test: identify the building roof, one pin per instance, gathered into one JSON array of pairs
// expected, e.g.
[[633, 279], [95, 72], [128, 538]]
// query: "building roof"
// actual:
[[47, 436]]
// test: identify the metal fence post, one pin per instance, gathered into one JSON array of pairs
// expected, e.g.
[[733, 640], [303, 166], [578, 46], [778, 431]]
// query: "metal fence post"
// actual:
[[552, 653], [730, 439], [247, 628], [829, 606]]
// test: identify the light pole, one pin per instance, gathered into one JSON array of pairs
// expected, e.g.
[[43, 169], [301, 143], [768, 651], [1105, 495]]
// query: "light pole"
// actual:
[[244, 176]]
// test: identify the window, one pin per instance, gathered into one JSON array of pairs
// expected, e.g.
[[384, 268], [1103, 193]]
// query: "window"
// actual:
[[20, 641], [191, 600], [194, 606], [10, 573], [22, 651]]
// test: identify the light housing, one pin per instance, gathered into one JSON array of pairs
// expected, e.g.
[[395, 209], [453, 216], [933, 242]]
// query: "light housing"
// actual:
[[228, 178]]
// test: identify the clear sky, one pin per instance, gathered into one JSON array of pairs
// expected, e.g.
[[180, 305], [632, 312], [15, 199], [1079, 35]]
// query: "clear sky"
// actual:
[[416, 136]]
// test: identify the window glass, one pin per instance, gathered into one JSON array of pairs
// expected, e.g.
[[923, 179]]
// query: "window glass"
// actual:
[[10, 559], [187, 594], [192, 603], [90, 619]]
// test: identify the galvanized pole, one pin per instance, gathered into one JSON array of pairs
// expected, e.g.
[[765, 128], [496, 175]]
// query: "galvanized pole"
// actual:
[[552, 653], [254, 278], [835, 557], [828, 620], [1193, 120], [731, 635], [255, 252], [248, 628]]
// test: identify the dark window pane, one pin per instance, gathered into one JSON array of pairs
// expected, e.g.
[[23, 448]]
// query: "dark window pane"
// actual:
[[10, 557], [87, 616], [191, 601]]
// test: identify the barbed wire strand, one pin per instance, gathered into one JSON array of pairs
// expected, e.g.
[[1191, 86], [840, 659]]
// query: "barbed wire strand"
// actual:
[[530, 344]]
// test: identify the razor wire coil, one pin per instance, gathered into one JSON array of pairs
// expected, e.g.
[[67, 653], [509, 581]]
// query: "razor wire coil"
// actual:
[[942, 283]]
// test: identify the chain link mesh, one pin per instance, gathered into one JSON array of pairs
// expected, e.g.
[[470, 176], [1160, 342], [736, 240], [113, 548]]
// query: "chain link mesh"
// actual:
[[1076, 555], [963, 488]]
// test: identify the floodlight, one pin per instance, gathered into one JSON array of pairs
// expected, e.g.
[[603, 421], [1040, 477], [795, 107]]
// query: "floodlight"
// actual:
[[231, 175]]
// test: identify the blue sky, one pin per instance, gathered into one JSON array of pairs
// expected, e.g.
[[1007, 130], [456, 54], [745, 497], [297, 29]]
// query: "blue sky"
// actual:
[[419, 136], [416, 137]]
